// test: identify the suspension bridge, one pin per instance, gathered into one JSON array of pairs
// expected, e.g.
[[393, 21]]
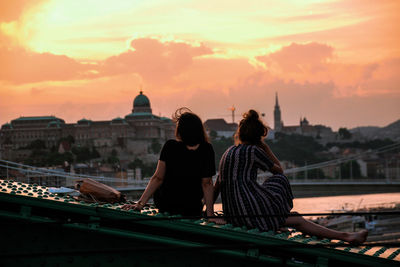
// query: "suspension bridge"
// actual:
[[304, 187]]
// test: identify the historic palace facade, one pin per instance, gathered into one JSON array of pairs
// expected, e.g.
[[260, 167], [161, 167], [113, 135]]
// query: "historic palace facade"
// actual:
[[131, 134]]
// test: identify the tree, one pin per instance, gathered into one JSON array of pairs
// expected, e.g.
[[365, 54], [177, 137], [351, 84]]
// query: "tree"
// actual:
[[311, 174], [38, 153], [372, 144], [296, 148], [37, 158], [113, 159], [147, 169], [350, 169], [37, 144], [137, 163], [213, 135], [344, 133], [95, 154], [83, 154], [55, 158], [155, 146], [70, 139], [220, 146]]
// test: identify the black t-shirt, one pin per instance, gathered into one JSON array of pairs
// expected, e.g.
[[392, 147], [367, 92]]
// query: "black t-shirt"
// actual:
[[181, 191]]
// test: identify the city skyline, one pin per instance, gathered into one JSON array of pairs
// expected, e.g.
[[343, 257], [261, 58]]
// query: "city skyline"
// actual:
[[227, 117], [334, 62]]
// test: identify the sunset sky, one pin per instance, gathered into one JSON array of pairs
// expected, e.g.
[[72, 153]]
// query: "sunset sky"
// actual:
[[335, 62]]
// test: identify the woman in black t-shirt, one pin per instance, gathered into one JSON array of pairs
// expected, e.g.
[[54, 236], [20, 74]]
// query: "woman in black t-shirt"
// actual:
[[184, 171]]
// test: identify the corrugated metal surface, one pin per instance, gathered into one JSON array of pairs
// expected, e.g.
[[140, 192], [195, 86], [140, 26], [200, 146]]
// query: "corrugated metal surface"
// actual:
[[40, 228]]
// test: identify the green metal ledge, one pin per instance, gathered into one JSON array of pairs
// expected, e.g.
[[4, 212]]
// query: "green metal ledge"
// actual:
[[40, 228]]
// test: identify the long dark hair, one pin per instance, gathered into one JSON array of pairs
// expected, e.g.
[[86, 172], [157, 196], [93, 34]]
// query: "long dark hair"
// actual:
[[251, 129], [189, 127]]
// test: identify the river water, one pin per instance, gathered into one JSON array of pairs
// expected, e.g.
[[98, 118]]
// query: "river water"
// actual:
[[334, 203]]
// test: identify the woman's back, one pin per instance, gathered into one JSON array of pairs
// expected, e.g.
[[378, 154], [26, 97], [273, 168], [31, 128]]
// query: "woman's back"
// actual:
[[266, 206], [243, 197], [181, 191]]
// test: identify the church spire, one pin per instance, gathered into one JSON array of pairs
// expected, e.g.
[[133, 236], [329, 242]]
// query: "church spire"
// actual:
[[277, 115], [276, 99]]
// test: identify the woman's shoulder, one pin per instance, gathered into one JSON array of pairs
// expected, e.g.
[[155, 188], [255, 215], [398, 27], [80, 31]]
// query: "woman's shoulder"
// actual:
[[232, 147], [252, 148], [232, 151], [171, 143], [207, 145], [257, 149], [243, 146]]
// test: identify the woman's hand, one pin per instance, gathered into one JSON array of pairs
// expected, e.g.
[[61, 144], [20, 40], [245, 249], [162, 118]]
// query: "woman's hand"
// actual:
[[138, 206], [277, 168], [155, 182]]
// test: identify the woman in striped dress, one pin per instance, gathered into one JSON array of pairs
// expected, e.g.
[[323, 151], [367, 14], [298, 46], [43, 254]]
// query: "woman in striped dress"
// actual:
[[247, 203]]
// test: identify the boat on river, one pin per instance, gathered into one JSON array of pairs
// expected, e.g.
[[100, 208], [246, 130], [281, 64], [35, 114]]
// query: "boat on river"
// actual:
[[381, 227]]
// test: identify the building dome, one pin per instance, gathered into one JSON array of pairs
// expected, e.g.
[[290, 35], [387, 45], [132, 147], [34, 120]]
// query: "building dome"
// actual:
[[118, 120], [6, 126], [141, 103], [84, 122], [53, 124]]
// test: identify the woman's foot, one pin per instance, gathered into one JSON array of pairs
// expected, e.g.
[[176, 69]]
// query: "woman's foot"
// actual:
[[357, 237]]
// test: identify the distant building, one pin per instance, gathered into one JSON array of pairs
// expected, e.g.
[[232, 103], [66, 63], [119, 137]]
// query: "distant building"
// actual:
[[278, 123], [133, 134], [321, 132], [220, 127]]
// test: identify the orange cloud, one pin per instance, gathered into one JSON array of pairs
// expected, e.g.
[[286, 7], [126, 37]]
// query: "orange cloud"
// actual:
[[371, 33], [20, 66], [153, 60], [299, 58], [309, 77], [317, 63], [12, 10]]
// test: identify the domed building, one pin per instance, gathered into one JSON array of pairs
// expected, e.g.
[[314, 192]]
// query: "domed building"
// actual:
[[131, 135], [141, 108], [146, 124], [141, 104]]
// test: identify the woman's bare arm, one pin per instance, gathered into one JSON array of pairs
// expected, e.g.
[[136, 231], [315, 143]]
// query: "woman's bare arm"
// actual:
[[208, 192], [217, 189], [209, 198], [277, 168], [155, 182]]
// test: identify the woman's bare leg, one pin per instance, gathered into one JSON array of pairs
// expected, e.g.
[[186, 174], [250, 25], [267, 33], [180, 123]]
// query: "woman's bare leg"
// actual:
[[310, 228]]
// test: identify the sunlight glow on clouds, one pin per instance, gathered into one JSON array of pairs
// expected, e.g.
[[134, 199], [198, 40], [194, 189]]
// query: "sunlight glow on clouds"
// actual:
[[320, 56]]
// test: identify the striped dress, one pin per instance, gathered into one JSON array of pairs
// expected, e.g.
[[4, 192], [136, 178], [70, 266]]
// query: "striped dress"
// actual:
[[242, 195]]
